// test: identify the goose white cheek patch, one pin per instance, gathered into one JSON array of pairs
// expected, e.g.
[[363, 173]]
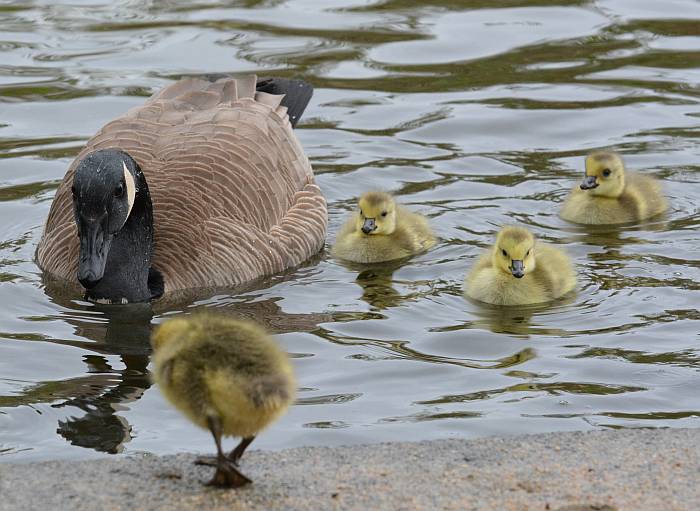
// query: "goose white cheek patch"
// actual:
[[130, 189]]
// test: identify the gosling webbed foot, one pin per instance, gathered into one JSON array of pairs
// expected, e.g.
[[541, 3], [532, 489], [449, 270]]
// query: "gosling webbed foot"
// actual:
[[209, 461], [228, 476]]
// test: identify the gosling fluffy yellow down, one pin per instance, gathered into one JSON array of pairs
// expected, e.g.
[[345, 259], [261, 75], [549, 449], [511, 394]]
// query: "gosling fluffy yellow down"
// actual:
[[518, 270], [225, 375], [381, 230], [611, 195]]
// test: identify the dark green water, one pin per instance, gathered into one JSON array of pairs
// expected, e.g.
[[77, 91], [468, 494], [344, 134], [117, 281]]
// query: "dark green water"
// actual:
[[473, 115]]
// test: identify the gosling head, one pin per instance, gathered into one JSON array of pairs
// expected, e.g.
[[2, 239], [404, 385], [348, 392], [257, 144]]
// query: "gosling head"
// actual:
[[605, 174], [173, 330], [514, 251], [377, 213]]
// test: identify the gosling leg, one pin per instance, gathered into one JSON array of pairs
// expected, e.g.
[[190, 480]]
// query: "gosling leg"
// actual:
[[226, 475], [236, 454]]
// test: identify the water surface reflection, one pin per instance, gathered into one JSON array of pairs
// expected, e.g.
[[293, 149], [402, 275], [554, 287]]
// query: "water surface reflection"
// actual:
[[474, 115]]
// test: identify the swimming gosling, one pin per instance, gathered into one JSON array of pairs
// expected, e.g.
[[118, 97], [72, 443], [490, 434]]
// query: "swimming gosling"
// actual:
[[518, 270], [225, 375], [611, 195], [381, 230]]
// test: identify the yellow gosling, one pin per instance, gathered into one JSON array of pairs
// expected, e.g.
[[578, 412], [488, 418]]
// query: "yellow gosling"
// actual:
[[225, 375], [381, 230], [518, 270], [611, 195]]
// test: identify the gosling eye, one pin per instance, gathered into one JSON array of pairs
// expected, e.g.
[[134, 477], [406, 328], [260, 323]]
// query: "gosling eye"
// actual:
[[527, 253], [361, 213], [607, 172], [503, 251], [383, 213], [119, 191]]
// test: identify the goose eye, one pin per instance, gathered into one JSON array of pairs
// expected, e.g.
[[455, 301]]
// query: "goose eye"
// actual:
[[505, 254], [607, 172], [119, 191], [383, 213], [73, 190]]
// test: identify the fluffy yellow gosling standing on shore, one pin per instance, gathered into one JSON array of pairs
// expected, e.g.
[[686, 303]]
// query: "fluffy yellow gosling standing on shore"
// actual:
[[518, 270], [225, 375], [611, 195], [381, 230]]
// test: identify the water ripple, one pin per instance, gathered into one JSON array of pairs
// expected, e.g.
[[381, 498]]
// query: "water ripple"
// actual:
[[477, 116]]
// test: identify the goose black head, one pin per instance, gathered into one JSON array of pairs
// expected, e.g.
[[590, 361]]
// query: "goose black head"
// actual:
[[113, 213]]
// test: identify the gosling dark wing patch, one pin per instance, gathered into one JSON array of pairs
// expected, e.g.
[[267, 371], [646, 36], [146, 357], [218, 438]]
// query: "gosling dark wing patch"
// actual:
[[263, 390]]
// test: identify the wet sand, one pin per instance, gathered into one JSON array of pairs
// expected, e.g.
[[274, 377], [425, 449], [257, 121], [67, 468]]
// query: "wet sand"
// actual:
[[599, 470]]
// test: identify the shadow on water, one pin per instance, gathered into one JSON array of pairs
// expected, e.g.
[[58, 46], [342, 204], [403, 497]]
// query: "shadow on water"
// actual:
[[124, 331], [104, 331], [125, 334]]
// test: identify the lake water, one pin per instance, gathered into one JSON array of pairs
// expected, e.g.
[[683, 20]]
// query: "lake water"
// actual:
[[475, 116]]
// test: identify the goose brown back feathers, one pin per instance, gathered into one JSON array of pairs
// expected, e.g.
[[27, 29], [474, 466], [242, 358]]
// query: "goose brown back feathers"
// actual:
[[233, 194]]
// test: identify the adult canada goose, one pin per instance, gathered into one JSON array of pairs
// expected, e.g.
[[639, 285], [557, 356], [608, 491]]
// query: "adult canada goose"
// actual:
[[518, 270], [611, 195], [205, 185], [225, 375], [381, 230]]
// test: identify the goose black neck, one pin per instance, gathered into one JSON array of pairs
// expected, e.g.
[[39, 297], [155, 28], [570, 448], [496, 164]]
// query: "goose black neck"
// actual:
[[128, 275]]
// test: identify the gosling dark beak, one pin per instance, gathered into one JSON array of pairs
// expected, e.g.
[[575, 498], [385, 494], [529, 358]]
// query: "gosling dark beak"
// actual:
[[94, 247], [517, 268], [588, 183], [369, 225]]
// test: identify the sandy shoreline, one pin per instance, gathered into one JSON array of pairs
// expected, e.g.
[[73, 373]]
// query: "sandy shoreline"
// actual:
[[599, 470]]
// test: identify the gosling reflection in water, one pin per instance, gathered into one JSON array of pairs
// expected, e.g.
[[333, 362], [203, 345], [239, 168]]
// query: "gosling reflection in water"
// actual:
[[613, 237], [518, 321], [377, 282], [612, 253], [515, 321]]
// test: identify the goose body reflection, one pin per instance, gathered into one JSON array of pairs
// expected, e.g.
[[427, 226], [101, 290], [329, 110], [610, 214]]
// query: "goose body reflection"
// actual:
[[381, 230], [225, 375], [519, 270], [609, 194]]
